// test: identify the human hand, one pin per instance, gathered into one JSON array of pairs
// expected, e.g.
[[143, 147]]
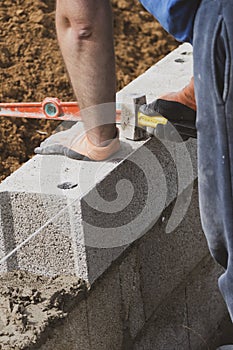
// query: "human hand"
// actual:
[[181, 120]]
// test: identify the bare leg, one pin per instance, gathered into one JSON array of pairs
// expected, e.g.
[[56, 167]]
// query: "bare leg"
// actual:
[[84, 29], [85, 35]]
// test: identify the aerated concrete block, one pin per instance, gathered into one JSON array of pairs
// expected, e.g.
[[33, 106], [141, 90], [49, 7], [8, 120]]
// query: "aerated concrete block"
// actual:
[[84, 229], [105, 313], [132, 302], [51, 251], [7, 239], [172, 73], [72, 334], [166, 259], [37, 205], [166, 330], [107, 206], [189, 317], [206, 308]]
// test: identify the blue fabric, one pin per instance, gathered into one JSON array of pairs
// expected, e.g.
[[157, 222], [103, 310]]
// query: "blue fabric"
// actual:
[[175, 16], [213, 78]]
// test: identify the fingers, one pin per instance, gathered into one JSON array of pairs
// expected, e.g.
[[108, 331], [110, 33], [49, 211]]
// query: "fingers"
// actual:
[[149, 109], [58, 149], [173, 111], [182, 119], [56, 143], [50, 149]]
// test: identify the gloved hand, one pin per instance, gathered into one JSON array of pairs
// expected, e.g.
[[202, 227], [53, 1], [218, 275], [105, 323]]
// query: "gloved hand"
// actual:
[[181, 119], [73, 143]]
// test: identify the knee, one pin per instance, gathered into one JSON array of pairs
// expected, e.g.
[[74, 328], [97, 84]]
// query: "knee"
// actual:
[[82, 31], [82, 26], [77, 15]]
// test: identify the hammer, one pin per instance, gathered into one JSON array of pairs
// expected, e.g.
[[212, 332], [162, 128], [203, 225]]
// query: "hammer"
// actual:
[[136, 125]]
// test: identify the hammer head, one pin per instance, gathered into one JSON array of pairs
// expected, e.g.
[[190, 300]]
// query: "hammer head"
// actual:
[[129, 117]]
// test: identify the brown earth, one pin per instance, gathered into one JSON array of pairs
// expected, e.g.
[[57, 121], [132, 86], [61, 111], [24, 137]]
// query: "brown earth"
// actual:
[[32, 67]]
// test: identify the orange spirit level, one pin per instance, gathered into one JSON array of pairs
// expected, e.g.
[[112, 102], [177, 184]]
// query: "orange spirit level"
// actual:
[[50, 108]]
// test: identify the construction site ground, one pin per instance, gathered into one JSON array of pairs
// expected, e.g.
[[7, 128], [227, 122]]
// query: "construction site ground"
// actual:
[[32, 67]]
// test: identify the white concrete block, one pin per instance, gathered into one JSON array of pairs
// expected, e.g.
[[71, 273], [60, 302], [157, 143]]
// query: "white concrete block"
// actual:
[[109, 205]]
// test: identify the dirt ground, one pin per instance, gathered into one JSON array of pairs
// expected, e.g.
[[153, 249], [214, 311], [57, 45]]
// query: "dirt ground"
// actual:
[[30, 303], [32, 68]]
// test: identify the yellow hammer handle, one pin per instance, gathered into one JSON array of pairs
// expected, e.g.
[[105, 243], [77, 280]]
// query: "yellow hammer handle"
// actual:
[[145, 120]]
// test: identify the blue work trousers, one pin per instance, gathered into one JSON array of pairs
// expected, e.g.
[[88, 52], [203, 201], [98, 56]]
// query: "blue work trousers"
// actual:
[[213, 70]]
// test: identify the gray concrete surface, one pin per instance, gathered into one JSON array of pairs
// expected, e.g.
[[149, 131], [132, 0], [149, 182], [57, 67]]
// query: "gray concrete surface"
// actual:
[[135, 185], [189, 317]]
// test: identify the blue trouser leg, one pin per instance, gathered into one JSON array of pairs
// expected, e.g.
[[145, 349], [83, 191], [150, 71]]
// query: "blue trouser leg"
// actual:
[[213, 70]]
